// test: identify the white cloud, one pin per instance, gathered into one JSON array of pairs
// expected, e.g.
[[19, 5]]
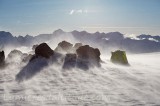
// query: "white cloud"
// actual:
[[80, 11], [71, 12], [151, 39], [85, 11], [132, 36]]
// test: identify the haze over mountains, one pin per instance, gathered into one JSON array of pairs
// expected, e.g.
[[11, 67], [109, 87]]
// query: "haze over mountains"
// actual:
[[104, 41]]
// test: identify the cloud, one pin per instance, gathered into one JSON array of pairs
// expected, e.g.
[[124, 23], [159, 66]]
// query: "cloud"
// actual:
[[71, 12], [80, 11], [152, 39]]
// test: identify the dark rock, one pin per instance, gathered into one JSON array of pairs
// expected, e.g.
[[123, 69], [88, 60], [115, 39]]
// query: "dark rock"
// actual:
[[70, 61], [83, 63], [77, 45], [2, 58], [31, 69], [37, 64], [64, 46], [119, 57], [44, 50], [33, 57], [88, 56]]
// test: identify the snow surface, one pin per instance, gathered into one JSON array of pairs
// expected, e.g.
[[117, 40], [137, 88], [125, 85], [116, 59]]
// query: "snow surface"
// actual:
[[110, 85]]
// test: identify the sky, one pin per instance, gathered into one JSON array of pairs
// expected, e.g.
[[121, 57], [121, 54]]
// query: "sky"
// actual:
[[34, 17]]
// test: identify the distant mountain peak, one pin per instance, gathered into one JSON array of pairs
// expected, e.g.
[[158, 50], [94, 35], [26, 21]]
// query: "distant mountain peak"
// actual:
[[79, 32], [59, 31], [74, 31], [97, 32], [5, 33]]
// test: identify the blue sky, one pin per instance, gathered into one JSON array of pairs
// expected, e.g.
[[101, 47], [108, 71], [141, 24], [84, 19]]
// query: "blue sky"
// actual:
[[22, 17]]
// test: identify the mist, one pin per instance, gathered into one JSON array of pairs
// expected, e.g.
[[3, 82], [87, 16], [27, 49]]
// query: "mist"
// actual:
[[110, 84]]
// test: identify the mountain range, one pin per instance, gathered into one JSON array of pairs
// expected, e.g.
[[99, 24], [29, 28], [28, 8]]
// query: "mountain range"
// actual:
[[104, 41]]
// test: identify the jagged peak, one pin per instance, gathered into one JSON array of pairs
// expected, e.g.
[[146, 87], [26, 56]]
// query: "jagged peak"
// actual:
[[4, 32], [97, 32], [75, 31], [115, 33], [59, 31]]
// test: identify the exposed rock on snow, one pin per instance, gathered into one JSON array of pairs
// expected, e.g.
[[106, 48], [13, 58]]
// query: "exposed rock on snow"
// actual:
[[64, 46], [119, 57], [88, 56], [18, 56], [70, 61], [13, 53], [43, 50], [2, 58], [77, 45]]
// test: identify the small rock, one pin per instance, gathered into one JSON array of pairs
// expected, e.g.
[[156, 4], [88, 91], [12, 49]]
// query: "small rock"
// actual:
[[77, 45], [2, 58], [17, 56], [70, 61], [14, 53], [88, 56], [119, 57], [43, 50], [64, 46]]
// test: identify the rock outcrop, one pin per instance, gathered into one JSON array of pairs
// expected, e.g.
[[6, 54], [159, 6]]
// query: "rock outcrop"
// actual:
[[43, 50], [64, 46], [18, 56], [77, 45], [14, 53], [119, 57], [2, 58], [88, 56], [70, 61], [84, 57]]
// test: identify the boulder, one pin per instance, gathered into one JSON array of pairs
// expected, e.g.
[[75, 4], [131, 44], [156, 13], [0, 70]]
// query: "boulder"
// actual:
[[70, 61], [17, 56], [15, 53], [77, 45], [33, 57], [2, 58], [43, 50], [119, 57], [88, 56], [64, 46]]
